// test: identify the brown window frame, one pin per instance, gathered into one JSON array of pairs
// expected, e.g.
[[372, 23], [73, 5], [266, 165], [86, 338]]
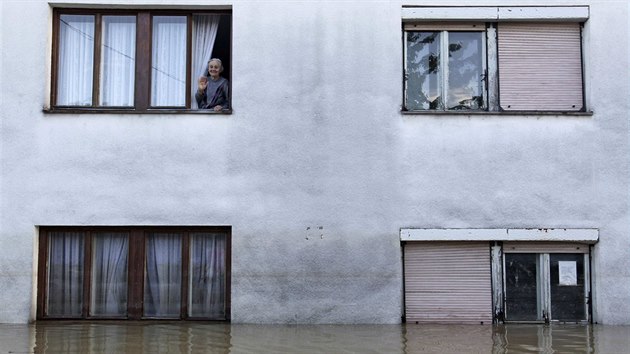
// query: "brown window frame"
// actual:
[[135, 272], [142, 89]]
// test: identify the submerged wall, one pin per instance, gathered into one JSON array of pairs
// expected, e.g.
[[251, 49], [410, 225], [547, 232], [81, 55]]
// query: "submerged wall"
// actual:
[[316, 170]]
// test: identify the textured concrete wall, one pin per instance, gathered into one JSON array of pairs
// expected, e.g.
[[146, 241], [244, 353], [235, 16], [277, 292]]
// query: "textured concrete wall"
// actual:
[[316, 140]]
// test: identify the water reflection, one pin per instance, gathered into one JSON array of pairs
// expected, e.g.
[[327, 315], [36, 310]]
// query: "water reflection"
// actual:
[[137, 337]]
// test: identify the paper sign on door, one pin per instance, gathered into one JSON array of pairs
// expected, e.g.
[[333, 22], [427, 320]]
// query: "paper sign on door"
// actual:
[[568, 272]]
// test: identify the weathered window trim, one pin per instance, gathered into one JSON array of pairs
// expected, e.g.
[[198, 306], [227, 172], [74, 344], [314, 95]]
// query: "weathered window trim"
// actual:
[[578, 13], [136, 265], [142, 93]]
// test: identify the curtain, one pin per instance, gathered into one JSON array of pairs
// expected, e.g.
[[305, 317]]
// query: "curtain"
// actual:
[[109, 274], [118, 53], [168, 71], [65, 274], [76, 58], [204, 34], [207, 275], [163, 278]]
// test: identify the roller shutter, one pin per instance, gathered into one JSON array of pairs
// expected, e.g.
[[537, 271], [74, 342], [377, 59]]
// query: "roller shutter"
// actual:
[[448, 282], [540, 67]]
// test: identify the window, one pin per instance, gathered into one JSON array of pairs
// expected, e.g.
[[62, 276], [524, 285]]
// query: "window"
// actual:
[[445, 68], [517, 66], [134, 273], [139, 61]]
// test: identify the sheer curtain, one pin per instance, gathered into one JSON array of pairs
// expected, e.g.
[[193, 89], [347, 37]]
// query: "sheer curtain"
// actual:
[[65, 274], [163, 278], [109, 274], [207, 275], [204, 34], [168, 71], [118, 52], [76, 59]]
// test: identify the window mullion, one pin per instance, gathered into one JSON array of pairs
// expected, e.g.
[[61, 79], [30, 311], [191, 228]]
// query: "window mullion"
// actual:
[[185, 274], [87, 271], [143, 61], [189, 61], [96, 62], [444, 64]]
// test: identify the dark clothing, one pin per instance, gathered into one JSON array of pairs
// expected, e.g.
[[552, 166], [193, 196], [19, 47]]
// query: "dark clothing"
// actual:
[[215, 94]]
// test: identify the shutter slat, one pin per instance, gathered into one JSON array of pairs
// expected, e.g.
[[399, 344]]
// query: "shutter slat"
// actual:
[[540, 66]]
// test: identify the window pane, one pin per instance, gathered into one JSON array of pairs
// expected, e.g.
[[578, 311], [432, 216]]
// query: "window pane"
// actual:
[[65, 274], [163, 277], [109, 274], [465, 70], [168, 71], [76, 58], [207, 276], [118, 54], [423, 71]]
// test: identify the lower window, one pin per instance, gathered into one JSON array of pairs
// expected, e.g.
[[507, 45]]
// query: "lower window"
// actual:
[[134, 273]]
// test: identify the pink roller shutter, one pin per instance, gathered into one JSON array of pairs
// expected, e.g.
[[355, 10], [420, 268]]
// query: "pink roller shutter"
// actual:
[[448, 282], [540, 66]]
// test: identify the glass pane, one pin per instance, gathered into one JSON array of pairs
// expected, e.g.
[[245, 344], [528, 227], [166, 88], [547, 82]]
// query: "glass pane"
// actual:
[[168, 70], [465, 70], [76, 58], [423, 71], [207, 276], [109, 274], [567, 287], [521, 292], [118, 54], [65, 274], [163, 276]]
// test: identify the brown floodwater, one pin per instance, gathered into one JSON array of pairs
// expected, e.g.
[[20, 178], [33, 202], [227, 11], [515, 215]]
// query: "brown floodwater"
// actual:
[[190, 337]]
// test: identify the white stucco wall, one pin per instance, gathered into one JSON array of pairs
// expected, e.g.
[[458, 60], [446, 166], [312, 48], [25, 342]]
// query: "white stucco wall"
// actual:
[[316, 139]]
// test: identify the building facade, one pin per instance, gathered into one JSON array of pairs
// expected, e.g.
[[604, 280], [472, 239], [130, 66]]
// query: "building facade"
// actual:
[[373, 161]]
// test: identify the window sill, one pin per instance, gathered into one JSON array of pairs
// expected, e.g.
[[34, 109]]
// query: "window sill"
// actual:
[[81, 110], [495, 113]]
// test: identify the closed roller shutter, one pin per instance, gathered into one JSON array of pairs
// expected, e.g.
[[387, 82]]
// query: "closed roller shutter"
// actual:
[[448, 282], [540, 66]]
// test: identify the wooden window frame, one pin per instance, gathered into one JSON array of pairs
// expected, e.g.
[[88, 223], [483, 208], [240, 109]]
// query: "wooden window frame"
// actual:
[[135, 270], [142, 81]]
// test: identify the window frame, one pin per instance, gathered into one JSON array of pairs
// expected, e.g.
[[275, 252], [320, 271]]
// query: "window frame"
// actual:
[[136, 270], [142, 77]]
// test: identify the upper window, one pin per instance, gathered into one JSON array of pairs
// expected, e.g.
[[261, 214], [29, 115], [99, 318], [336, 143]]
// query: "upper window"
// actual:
[[495, 66], [140, 61], [134, 273], [445, 69]]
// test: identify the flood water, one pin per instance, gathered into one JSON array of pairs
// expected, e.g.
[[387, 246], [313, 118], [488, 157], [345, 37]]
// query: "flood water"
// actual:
[[187, 337]]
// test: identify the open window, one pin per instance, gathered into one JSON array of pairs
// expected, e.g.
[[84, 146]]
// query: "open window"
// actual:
[[139, 61]]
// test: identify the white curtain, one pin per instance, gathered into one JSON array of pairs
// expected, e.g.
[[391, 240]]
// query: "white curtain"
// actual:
[[65, 274], [168, 71], [76, 58], [109, 274], [118, 52], [207, 276], [163, 278], [204, 34]]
